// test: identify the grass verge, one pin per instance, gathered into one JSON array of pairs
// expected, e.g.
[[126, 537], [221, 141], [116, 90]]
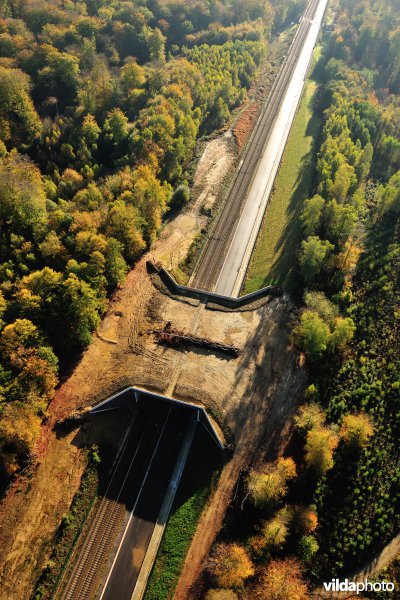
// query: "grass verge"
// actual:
[[199, 479], [274, 258], [69, 530]]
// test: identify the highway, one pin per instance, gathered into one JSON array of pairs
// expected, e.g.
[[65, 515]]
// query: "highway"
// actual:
[[128, 561], [110, 556], [223, 264], [112, 550]]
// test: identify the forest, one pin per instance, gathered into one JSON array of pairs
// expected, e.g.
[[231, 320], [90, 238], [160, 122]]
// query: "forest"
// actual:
[[332, 501], [101, 105]]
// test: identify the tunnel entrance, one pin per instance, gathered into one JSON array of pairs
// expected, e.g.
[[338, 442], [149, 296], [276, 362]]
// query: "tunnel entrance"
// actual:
[[118, 548], [132, 397]]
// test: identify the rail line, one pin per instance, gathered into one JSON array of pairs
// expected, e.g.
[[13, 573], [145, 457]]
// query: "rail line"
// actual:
[[98, 543], [101, 538], [108, 518], [212, 258]]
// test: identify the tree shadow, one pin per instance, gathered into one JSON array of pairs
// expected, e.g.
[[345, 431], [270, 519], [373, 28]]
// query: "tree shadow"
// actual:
[[272, 393], [284, 270]]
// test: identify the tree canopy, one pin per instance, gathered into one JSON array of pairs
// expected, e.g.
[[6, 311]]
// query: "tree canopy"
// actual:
[[102, 103], [269, 483], [282, 579], [230, 565]]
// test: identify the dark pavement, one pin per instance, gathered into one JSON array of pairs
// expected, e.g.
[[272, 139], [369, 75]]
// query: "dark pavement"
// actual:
[[155, 454]]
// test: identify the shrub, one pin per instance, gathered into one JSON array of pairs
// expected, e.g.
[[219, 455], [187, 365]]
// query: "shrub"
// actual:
[[319, 303], [180, 197], [269, 484], [229, 565], [308, 547]]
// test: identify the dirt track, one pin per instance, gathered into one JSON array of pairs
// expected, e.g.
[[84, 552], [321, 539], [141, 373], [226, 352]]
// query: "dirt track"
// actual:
[[253, 394]]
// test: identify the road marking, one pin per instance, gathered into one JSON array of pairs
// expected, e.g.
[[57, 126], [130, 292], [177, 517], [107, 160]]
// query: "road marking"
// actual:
[[162, 519], [236, 260], [134, 507]]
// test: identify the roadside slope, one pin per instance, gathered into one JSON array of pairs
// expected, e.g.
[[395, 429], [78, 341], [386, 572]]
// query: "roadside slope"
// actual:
[[274, 257]]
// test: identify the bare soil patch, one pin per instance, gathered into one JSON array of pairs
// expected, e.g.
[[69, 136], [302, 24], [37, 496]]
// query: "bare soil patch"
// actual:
[[253, 394], [215, 163], [32, 508]]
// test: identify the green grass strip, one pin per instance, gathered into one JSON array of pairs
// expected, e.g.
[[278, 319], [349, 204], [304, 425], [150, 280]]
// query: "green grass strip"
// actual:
[[274, 258], [175, 545]]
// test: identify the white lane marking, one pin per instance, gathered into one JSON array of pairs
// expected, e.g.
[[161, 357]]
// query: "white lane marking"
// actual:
[[134, 507], [122, 450], [130, 466]]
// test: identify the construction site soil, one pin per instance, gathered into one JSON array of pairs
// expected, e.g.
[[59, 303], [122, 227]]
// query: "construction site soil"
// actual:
[[252, 397]]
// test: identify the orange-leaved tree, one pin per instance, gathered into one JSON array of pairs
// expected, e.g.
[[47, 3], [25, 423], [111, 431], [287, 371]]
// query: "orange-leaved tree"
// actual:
[[282, 580], [230, 565]]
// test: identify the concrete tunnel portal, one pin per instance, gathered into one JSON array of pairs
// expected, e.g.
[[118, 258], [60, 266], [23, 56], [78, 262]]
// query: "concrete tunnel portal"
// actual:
[[144, 481], [139, 396]]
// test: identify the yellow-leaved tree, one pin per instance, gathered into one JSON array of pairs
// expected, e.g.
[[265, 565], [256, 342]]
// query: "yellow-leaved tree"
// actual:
[[269, 483], [229, 565]]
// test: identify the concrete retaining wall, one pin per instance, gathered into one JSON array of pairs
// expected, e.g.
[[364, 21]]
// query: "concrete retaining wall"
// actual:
[[205, 296]]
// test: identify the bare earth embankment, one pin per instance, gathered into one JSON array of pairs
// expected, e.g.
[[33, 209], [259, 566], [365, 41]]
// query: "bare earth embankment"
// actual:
[[255, 394]]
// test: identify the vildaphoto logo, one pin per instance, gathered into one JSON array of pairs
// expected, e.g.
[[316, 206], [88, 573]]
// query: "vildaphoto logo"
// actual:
[[336, 585]]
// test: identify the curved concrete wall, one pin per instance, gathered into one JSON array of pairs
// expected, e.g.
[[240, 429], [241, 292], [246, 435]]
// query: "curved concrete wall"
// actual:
[[205, 296]]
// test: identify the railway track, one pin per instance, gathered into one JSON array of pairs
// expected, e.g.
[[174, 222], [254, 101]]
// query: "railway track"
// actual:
[[213, 256], [99, 542], [123, 490], [84, 576]]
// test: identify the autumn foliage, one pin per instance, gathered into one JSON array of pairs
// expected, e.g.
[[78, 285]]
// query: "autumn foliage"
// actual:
[[356, 429], [269, 483], [221, 594], [229, 565], [281, 580]]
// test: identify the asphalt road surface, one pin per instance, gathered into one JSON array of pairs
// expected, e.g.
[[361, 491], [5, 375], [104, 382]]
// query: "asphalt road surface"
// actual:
[[131, 552], [130, 506], [225, 260]]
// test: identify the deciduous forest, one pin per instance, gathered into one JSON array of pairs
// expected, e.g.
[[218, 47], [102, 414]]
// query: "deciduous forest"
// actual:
[[331, 503], [101, 104]]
